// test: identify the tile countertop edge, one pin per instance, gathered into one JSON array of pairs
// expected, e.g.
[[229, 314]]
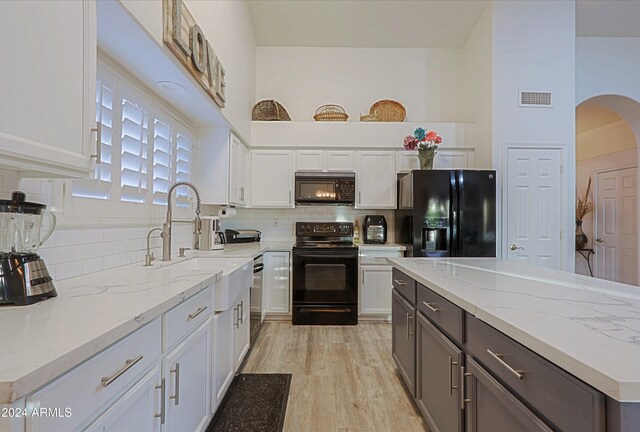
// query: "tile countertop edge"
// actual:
[[17, 388], [391, 246], [628, 391]]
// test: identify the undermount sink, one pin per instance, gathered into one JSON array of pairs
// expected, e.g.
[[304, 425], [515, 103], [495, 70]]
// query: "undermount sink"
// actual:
[[237, 275]]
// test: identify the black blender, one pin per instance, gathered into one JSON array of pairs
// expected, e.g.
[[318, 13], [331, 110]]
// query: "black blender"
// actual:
[[24, 278]]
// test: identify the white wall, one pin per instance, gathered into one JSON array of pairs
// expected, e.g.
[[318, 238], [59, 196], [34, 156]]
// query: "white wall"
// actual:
[[75, 250], [227, 26], [279, 224], [475, 97], [534, 49], [425, 81]]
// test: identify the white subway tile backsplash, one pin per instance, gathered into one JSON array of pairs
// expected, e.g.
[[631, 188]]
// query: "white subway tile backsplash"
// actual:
[[92, 236]]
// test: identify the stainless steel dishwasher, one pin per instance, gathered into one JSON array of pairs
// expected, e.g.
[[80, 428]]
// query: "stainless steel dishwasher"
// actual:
[[256, 299]]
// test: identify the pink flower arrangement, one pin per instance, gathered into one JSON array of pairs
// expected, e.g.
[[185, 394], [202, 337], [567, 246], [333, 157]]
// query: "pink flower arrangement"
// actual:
[[422, 140]]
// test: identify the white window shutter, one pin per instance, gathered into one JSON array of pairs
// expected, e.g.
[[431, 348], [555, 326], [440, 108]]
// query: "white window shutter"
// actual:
[[184, 146], [133, 164], [161, 161], [100, 186]]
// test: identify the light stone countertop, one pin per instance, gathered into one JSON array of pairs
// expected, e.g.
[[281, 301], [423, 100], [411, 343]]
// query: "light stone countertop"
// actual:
[[248, 250], [589, 327], [391, 246], [43, 341]]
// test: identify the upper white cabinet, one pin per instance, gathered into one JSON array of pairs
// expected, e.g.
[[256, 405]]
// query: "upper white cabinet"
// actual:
[[238, 171], [222, 168], [376, 179], [446, 158], [324, 160], [272, 178], [48, 87]]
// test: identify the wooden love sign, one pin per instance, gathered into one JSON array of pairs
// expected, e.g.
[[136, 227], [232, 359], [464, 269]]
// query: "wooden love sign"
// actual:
[[184, 37]]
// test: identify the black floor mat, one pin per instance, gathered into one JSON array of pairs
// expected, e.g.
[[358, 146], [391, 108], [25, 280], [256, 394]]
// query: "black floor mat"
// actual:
[[253, 403]]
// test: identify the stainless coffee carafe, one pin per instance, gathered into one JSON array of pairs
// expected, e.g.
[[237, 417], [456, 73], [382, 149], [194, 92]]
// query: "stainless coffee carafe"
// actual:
[[24, 278]]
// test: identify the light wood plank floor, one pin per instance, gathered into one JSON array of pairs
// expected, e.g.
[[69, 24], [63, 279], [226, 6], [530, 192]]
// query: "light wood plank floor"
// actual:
[[343, 377]]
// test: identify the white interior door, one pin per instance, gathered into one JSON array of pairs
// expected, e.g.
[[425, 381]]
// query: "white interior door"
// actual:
[[616, 234], [533, 199]]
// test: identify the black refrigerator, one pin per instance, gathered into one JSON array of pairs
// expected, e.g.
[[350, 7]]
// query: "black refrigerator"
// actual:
[[447, 213]]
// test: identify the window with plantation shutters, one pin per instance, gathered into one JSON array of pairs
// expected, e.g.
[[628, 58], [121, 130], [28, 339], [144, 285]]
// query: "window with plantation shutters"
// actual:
[[145, 148], [100, 186], [133, 163], [183, 167]]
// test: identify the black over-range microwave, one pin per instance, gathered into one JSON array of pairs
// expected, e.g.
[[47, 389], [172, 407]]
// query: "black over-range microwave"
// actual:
[[325, 188]]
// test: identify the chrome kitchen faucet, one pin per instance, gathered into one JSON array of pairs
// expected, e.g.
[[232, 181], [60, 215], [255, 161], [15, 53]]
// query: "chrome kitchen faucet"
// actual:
[[166, 227]]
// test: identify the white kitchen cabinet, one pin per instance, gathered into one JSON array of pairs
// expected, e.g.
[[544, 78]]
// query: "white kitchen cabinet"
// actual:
[[48, 87], [339, 160], [242, 329], [376, 179], [221, 168], [139, 409], [187, 374], [324, 160], [238, 171], [446, 158], [272, 178], [276, 282], [309, 160], [223, 355], [376, 281]]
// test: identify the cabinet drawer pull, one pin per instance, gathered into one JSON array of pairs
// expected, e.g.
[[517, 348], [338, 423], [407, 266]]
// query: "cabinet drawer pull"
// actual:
[[98, 131], [236, 322], [464, 399], [431, 308], [410, 326], [451, 386], [161, 415], [399, 282], [241, 312], [197, 312], [176, 396], [128, 364], [518, 373]]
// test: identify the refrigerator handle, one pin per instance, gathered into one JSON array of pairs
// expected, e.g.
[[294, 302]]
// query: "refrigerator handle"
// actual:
[[460, 188], [453, 244]]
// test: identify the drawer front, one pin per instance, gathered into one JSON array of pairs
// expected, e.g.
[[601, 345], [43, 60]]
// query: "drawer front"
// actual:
[[446, 315], [564, 400], [183, 319], [405, 286], [89, 388], [378, 256]]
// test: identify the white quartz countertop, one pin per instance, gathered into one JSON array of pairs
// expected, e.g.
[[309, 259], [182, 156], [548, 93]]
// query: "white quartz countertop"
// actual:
[[249, 250], [386, 246], [589, 327], [43, 341]]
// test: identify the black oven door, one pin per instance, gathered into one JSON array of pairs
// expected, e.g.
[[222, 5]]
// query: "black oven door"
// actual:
[[325, 286]]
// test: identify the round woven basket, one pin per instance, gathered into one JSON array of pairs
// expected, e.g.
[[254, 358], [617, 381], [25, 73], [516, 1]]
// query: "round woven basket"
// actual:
[[330, 113], [387, 110], [269, 110]]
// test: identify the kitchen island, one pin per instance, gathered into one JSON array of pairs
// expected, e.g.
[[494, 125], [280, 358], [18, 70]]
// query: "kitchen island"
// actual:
[[588, 329]]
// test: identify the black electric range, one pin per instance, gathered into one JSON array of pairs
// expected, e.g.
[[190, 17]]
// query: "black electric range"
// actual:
[[325, 274]]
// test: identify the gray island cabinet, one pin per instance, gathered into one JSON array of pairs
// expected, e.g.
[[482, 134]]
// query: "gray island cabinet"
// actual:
[[466, 375]]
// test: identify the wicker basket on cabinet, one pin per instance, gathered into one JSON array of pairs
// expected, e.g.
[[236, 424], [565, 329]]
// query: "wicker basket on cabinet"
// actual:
[[387, 110], [269, 110], [330, 113]]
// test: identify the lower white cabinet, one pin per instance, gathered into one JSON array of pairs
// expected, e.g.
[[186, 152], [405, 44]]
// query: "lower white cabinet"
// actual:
[[242, 329], [223, 355], [140, 409], [376, 281], [187, 374], [276, 282]]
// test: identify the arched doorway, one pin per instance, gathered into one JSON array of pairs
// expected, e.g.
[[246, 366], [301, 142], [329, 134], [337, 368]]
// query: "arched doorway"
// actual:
[[607, 132]]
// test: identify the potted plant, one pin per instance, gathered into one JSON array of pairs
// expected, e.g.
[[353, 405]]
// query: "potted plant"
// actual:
[[426, 143]]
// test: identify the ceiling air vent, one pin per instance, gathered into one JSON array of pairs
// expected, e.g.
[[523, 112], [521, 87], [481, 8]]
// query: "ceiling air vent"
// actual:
[[535, 99]]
